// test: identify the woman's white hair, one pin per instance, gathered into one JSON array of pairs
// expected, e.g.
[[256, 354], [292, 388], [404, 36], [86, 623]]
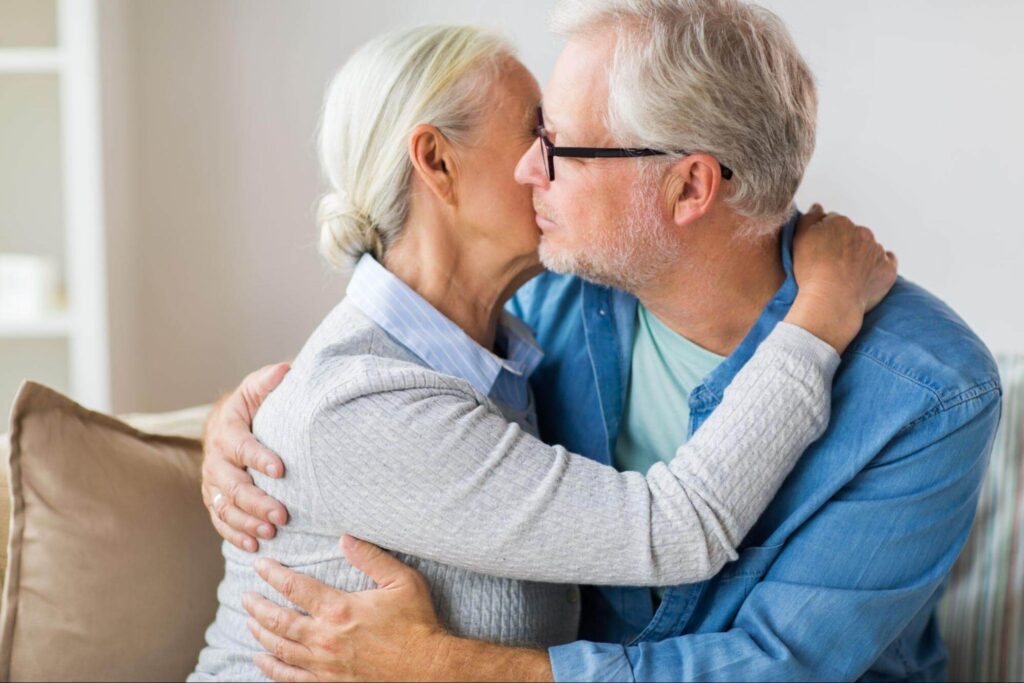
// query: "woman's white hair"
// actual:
[[433, 74], [716, 76]]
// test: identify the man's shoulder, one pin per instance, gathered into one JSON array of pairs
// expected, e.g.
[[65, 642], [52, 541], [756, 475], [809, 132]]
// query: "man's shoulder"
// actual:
[[918, 339], [549, 293]]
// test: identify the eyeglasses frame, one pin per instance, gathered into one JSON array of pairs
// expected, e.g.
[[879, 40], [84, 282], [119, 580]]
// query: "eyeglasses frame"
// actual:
[[550, 150]]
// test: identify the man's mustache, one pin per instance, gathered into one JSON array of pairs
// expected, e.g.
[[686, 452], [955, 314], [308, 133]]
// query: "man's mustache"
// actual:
[[540, 208]]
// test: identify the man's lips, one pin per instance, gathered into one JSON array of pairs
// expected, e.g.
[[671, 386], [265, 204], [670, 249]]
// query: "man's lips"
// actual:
[[545, 223]]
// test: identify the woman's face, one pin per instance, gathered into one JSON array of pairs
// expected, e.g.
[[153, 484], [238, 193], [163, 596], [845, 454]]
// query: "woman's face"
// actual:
[[496, 209]]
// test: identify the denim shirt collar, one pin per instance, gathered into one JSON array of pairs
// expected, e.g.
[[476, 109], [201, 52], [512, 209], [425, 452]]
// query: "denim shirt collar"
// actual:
[[405, 315], [708, 394]]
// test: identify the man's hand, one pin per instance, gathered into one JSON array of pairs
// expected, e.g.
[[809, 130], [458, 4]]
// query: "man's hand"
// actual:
[[391, 633], [240, 511]]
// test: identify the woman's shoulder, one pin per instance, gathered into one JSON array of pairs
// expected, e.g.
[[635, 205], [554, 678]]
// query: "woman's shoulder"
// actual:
[[349, 357]]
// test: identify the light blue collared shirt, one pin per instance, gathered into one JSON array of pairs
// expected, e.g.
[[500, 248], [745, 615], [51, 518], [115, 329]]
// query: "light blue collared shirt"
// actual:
[[444, 346]]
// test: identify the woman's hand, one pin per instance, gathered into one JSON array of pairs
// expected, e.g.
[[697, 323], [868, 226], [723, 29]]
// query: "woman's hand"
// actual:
[[240, 510], [842, 273]]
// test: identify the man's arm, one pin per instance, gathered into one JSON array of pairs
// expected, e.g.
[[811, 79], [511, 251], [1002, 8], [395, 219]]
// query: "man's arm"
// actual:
[[881, 548], [388, 634]]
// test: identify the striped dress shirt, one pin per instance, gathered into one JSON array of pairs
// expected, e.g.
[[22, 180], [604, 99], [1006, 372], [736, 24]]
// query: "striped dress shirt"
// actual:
[[444, 347]]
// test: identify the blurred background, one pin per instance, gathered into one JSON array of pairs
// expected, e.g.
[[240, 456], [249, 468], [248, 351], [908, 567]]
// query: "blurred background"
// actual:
[[158, 172]]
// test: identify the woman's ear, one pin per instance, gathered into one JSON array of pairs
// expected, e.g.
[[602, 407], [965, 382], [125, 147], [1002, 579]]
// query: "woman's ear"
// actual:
[[692, 185], [433, 161]]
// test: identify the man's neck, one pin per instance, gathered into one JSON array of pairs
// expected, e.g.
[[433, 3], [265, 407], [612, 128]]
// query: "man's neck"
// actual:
[[718, 290]]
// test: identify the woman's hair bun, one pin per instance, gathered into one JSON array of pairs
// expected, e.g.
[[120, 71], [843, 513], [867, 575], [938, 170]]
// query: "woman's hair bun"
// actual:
[[345, 232]]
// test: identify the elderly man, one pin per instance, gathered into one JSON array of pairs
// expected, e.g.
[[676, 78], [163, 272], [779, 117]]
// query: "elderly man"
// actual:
[[840, 578]]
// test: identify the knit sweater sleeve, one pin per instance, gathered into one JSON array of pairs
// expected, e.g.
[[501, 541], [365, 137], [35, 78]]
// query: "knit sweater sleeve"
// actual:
[[423, 466]]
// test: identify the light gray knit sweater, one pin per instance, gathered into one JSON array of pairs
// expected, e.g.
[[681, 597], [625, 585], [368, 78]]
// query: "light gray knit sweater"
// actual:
[[501, 524]]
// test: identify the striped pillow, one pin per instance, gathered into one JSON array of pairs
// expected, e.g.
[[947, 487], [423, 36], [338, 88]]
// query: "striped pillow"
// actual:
[[982, 613]]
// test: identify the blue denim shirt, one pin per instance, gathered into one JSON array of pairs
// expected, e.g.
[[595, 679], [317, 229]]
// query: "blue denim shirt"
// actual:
[[840, 577]]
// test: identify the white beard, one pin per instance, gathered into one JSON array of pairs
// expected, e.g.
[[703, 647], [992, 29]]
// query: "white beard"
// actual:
[[626, 259]]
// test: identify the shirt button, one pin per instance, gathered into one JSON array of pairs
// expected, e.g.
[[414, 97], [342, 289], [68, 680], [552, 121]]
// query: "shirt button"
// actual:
[[602, 311], [573, 596]]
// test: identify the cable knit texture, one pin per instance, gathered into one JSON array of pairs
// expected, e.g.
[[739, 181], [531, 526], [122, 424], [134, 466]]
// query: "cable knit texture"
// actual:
[[502, 525]]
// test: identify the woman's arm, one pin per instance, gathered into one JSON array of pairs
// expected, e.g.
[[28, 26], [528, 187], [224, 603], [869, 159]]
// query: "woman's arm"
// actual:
[[428, 470]]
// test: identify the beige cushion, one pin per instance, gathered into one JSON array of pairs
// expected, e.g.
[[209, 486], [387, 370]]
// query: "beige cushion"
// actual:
[[188, 423], [113, 565]]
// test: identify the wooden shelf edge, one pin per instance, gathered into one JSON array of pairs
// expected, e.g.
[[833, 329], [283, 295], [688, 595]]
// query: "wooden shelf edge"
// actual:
[[52, 326], [16, 60]]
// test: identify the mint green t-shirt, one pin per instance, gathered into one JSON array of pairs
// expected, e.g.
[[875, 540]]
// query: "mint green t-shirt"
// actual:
[[666, 367]]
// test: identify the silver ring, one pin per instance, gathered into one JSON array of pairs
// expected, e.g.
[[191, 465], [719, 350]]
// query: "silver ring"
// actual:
[[216, 499]]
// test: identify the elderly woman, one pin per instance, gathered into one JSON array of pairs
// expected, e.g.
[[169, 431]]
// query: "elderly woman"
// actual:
[[407, 419]]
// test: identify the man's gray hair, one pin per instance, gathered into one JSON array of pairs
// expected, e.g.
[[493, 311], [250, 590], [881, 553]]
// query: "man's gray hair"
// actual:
[[716, 76]]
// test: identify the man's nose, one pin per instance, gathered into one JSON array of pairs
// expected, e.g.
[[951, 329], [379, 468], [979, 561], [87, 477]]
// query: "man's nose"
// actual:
[[530, 169]]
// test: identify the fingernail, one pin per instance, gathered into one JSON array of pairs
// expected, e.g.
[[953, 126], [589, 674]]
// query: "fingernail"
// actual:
[[261, 564], [266, 531], [277, 517], [250, 545], [348, 542], [246, 599], [273, 470], [251, 623]]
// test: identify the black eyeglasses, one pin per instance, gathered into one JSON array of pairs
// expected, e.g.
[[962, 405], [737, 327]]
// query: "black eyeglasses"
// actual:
[[549, 151]]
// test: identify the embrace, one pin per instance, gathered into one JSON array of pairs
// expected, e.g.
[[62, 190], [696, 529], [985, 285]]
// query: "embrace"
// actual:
[[599, 403]]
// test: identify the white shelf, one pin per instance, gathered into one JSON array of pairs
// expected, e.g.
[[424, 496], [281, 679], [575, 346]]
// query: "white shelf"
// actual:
[[51, 326], [30, 60], [83, 326]]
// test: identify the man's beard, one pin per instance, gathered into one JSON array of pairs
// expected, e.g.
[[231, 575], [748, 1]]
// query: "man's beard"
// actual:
[[629, 258]]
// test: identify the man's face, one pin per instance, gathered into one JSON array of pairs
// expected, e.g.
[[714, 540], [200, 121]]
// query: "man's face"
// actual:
[[601, 218]]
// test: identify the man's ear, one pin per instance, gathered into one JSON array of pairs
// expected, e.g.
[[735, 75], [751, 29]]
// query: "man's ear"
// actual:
[[433, 161], [692, 184]]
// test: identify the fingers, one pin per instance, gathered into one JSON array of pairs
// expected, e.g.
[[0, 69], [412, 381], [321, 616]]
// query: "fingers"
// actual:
[[259, 507], [287, 651], [277, 670], [281, 621], [251, 506], [257, 385], [270, 376], [379, 565], [238, 520], [228, 434], [239, 539], [303, 591], [248, 452], [813, 217]]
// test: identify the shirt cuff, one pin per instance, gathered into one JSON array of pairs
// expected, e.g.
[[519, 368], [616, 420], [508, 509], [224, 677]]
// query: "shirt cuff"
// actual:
[[797, 339], [586, 661]]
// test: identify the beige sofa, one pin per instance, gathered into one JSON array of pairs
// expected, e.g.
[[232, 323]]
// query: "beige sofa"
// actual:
[[111, 565]]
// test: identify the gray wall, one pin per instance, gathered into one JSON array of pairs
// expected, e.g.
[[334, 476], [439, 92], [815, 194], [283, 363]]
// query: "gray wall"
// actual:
[[210, 109]]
